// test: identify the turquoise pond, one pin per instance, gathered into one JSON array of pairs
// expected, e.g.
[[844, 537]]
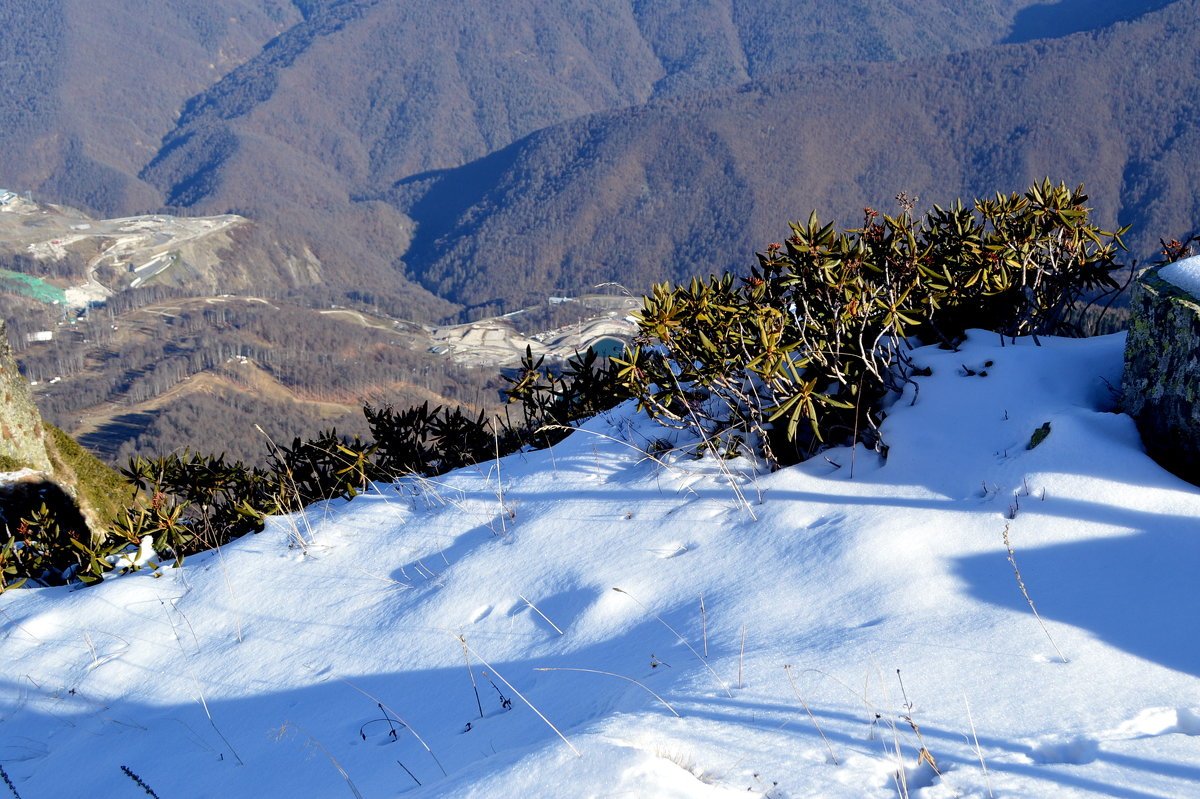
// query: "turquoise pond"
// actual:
[[607, 347]]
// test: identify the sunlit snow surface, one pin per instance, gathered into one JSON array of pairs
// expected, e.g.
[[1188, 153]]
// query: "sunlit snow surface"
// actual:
[[343, 652], [1185, 274]]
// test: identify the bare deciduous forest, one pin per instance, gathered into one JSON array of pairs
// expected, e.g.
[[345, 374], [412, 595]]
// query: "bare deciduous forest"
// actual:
[[432, 163]]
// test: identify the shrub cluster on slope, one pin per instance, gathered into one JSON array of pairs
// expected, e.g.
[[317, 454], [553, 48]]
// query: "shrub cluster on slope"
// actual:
[[181, 504], [803, 350], [799, 354]]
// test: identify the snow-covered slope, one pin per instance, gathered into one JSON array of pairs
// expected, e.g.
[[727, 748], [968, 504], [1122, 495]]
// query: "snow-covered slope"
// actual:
[[586, 621]]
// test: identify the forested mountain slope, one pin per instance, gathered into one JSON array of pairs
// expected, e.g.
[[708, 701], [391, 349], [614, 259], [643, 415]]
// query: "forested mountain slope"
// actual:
[[694, 185], [381, 90], [302, 115], [88, 90]]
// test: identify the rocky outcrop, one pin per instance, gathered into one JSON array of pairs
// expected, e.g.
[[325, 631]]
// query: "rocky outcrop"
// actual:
[[1161, 383], [43, 465], [22, 434]]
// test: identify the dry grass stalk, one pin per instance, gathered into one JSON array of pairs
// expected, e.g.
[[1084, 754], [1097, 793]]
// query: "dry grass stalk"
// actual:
[[543, 615], [923, 753], [470, 671], [403, 723], [523, 699], [504, 512], [196, 681], [900, 774], [804, 704], [978, 751], [741, 657], [618, 676], [288, 726], [1012, 558], [682, 640]]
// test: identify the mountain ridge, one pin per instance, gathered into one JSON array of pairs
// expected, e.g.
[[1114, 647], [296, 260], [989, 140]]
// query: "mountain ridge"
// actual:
[[279, 123], [942, 137]]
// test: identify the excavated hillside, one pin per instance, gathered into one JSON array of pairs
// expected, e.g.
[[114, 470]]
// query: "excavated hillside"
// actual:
[[69, 257]]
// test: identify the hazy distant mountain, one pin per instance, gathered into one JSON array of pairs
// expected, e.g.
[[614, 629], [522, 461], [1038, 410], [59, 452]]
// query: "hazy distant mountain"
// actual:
[[695, 185], [304, 114], [88, 90], [376, 91]]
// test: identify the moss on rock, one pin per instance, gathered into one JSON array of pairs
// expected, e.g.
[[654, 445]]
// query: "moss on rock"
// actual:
[[1162, 372], [65, 474]]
